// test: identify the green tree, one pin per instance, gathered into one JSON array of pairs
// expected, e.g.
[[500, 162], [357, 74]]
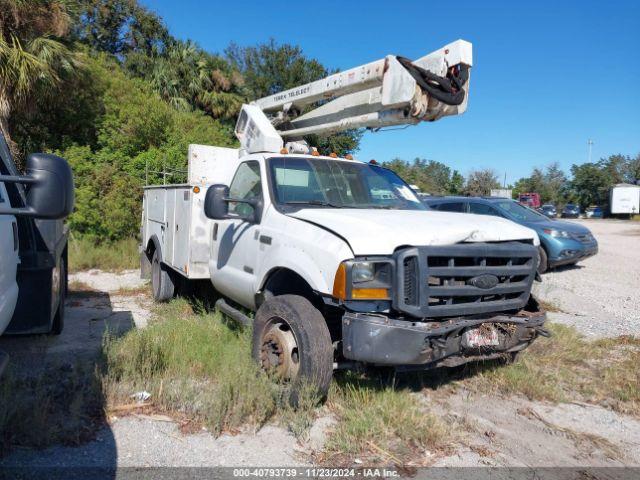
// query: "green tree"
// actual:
[[430, 176], [592, 182], [270, 68], [33, 59], [119, 27], [456, 184], [481, 182], [138, 137]]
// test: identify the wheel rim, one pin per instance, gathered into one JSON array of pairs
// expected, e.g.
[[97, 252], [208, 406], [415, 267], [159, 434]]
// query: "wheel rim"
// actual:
[[279, 354]]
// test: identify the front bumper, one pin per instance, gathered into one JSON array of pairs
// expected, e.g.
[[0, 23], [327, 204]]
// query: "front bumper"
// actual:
[[377, 339], [571, 252]]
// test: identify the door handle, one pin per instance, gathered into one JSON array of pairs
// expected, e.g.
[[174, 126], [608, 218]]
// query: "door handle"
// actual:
[[215, 232], [14, 226]]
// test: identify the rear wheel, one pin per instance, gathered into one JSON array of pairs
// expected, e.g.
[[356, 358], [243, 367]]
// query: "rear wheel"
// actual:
[[58, 320], [543, 261], [291, 342], [161, 280]]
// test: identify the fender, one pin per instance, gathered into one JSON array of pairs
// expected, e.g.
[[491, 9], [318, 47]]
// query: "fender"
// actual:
[[156, 243], [319, 279]]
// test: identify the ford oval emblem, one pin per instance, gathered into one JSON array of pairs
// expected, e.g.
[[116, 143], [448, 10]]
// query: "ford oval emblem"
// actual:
[[484, 281]]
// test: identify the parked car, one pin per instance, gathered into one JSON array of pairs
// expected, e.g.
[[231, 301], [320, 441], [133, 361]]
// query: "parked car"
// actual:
[[594, 212], [571, 211], [561, 243], [33, 243], [549, 210]]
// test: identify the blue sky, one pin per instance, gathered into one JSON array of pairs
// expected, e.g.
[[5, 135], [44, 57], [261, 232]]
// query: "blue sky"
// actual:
[[547, 76]]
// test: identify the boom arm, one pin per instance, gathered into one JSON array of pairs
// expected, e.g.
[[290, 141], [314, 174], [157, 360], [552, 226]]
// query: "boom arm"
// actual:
[[388, 92]]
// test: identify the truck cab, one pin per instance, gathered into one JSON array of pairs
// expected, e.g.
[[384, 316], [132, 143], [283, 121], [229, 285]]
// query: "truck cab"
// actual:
[[33, 242]]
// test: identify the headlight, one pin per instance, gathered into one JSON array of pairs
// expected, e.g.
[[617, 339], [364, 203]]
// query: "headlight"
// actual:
[[362, 272], [557, 233], [364, 280]]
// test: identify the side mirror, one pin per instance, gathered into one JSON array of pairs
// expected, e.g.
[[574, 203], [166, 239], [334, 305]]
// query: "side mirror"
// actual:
[[216, 205], [49, 187]]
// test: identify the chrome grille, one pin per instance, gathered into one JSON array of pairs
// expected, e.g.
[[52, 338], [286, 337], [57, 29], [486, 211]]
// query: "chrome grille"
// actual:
[[440, 281]]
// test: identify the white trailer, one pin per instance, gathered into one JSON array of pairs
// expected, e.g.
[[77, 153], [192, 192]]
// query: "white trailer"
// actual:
[[625, 199], [339, 259], [502, 192]]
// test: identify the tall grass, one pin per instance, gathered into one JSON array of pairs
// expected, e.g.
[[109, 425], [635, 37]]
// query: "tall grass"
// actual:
[[58, 404], [567, 367], [380, 421], [193, 365], [85, 254]]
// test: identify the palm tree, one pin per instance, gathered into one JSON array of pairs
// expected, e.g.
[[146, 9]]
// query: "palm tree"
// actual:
[[33, 60]]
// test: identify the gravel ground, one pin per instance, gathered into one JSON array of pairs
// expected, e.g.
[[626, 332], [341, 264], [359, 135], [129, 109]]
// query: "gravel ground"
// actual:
[[600, 296]]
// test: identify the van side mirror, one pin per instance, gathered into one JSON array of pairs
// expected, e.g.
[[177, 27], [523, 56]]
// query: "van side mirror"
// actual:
[[49, 187], [216, 205]]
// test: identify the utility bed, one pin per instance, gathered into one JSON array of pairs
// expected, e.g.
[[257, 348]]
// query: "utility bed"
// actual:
[[173, 215]]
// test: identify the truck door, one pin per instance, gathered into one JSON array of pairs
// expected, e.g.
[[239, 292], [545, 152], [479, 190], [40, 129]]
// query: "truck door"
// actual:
[[8, 261], [234, 245]]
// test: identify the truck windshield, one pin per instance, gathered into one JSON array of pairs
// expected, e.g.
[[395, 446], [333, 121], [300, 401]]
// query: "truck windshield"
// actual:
[[338, 184], [521, 213]]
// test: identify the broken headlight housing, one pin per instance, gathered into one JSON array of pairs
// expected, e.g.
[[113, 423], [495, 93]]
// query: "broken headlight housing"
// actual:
[[364, 279]]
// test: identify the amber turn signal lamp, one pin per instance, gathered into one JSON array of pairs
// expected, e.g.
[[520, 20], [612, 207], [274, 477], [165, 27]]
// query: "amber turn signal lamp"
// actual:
[[284, 151], [315, 153], [348, 156], [196, 189], [333, 155], [370, 294], [340, 283]]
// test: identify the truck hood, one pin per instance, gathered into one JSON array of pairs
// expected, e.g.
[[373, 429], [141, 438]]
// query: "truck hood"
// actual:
[[381, 232]]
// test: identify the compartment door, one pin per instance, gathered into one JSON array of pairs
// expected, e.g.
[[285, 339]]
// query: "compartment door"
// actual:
[[181, 228]]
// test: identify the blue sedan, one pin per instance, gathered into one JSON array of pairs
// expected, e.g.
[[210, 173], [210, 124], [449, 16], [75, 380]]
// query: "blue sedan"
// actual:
[[561, 242]]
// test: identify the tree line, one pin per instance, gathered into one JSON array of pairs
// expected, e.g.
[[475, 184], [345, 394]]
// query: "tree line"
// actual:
[[589, 183]]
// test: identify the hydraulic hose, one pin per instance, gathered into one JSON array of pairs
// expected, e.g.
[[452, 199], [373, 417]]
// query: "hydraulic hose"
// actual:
[[447, 89]]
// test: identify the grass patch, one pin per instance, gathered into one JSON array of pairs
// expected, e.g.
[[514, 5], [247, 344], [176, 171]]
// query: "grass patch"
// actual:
[[567, 367], [60, 404], [200, 370], [379, 422], [85, 254], [194, 366]]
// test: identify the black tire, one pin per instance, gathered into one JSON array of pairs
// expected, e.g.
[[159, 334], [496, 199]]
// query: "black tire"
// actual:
[[312, 364], [161, 279], [57, 325], [543, 263]]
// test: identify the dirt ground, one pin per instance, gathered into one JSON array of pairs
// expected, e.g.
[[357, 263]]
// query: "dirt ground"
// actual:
[[599, 298]]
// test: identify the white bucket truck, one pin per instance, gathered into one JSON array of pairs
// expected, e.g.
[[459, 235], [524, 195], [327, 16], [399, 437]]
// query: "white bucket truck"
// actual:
[[339, 260]]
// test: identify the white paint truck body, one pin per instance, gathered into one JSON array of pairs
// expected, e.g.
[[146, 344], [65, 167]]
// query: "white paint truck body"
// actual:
[[339, 259]]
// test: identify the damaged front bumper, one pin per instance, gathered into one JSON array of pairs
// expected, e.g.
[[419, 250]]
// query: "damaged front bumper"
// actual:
[[380, 340]]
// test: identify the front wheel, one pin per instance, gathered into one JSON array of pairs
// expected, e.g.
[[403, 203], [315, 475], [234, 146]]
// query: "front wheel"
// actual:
[[291, 341], [543, 261], [58, 320]]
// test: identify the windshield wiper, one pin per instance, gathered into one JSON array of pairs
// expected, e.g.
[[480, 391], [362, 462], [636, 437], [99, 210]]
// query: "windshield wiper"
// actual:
[[319, 203]]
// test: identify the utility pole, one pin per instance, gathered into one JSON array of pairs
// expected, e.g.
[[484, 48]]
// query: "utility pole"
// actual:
[[590, 144]]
